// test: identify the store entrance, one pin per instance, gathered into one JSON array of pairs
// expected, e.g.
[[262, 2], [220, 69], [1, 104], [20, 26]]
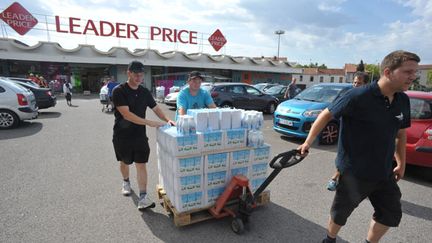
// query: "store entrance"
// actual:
[[89, 78]]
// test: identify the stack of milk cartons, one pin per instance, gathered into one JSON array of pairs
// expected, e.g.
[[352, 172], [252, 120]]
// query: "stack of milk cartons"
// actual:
[[180, 164], [260, 151]]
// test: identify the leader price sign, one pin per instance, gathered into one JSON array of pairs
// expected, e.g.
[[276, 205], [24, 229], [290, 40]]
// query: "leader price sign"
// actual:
[[18, 18], [217, 40]]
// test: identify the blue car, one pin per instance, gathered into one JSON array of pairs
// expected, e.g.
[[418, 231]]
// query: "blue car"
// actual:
[[294, 117]]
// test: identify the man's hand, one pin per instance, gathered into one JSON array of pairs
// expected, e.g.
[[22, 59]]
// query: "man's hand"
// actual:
[[399, 172], [304, 149], [155, 123], [172, 123]]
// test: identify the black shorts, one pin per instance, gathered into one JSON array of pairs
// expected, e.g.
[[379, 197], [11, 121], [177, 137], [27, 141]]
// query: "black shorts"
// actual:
[[131, 150], [68, 96], [384, 196]]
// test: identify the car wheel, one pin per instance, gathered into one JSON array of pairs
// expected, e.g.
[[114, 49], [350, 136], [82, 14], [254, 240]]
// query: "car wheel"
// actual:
[[271, 108], [8, 119], [329, 134], [226, 105]]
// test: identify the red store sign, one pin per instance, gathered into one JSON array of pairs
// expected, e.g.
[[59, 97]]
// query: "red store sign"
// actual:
[[19, 19]]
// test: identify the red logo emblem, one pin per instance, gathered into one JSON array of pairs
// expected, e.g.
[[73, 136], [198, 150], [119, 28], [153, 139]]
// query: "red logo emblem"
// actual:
[[217, 40], [18, 18]]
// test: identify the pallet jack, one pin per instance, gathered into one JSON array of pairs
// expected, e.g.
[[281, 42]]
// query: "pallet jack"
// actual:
[[238, 190]]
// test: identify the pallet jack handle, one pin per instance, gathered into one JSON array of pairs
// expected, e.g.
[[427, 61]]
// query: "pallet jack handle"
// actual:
[[279, 162]]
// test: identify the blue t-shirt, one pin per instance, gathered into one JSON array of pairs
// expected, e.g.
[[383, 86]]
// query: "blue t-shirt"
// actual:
[[369, 125], [111, 86], [186, 101]]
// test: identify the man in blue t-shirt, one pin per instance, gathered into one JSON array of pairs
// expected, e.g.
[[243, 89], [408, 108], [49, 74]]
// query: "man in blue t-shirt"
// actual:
[[193, 97], [374, 119]]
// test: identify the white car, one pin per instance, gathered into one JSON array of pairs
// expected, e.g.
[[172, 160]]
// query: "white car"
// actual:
[[16, 104]]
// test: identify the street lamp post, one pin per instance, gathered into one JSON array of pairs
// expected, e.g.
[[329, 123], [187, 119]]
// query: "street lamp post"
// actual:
[[279, 33]]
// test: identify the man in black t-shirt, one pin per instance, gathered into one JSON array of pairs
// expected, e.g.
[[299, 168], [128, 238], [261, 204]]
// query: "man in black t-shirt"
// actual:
[[130, 140], [374, 119]]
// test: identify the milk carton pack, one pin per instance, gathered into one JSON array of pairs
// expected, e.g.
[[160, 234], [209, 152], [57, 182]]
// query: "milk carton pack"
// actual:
[[211, 140], [188, 183], [216, 162], [258, 170], [240, 158], [215, 179], [238, 171], [201, 119], [236, 118], [213, 120], [188, 201], [178, 145], [256, 182], [212, 194], [235, 138], [261, 154], [187, 165], [225, 119]]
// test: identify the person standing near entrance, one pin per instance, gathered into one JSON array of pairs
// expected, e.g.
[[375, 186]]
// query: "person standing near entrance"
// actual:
[[193, 97], [291, 90], [373, 133], [129, 133], [67, 90]]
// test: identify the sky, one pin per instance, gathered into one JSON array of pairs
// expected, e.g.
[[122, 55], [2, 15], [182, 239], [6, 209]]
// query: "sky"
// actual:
[[330, 32]]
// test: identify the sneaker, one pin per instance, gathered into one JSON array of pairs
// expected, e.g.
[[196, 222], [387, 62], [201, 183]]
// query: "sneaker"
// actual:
[[126, 188], [332, 184], [145, 202]]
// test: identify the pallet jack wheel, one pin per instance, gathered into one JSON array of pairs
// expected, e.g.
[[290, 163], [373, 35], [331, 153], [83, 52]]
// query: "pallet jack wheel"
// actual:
[[237, 226]]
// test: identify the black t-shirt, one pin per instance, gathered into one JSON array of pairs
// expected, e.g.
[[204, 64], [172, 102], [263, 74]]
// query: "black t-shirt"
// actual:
[[368, 130], [137, 100]]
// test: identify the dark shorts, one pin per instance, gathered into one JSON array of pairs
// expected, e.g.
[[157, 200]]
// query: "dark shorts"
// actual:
[[68, 96], [129, 150], [384, 196]]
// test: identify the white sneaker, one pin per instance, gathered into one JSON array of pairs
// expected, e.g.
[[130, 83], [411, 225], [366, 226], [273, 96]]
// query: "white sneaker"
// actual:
[[126, 188], [145, 202]]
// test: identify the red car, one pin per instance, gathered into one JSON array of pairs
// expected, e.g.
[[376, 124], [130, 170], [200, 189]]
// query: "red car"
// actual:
[[419, 135]]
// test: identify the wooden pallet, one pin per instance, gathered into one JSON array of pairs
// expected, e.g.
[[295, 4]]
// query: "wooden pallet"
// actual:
[[199, 214]]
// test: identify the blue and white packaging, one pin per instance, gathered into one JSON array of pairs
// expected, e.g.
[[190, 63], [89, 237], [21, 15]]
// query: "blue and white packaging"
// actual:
[[261, 154], [178, 145], [258, 170], [211, 140], [187, 165], [215, 179], [239, 171], [188, 201], [201, 119], [216, 162], [188, 183], [212, 194], [235, 138], [240, 158], [256, 182]]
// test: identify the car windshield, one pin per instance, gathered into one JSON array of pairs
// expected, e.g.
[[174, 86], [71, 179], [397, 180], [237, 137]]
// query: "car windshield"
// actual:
[[259, 86], [274, 90], [319, 93], [421, 109]]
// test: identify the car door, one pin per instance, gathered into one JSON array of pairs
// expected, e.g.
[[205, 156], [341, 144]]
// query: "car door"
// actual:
[[256, 99], [239, 97]]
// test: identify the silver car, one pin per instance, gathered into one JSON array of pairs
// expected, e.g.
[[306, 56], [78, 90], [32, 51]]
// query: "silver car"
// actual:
[[16, 104]]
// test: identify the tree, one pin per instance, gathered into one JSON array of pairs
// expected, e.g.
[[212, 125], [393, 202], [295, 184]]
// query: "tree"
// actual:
[[360, 67], [373, 71]]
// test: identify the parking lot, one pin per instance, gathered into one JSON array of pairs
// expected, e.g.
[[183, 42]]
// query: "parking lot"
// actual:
[[60, 183]]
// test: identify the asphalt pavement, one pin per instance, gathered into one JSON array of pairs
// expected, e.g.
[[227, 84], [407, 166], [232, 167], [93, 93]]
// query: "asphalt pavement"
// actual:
[[59, 182]]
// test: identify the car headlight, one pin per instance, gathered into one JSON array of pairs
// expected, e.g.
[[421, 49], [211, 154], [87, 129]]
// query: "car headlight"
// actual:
[[281, 109], [312, 113]]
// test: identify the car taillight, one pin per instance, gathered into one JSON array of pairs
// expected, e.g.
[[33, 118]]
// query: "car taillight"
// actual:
[[22, 100], [214, 94]]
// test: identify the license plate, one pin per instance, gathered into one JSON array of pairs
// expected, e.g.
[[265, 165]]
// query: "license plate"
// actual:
[[285, 122]]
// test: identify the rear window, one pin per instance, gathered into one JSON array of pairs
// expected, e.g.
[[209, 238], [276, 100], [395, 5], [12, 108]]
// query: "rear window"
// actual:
[[421, 109]]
